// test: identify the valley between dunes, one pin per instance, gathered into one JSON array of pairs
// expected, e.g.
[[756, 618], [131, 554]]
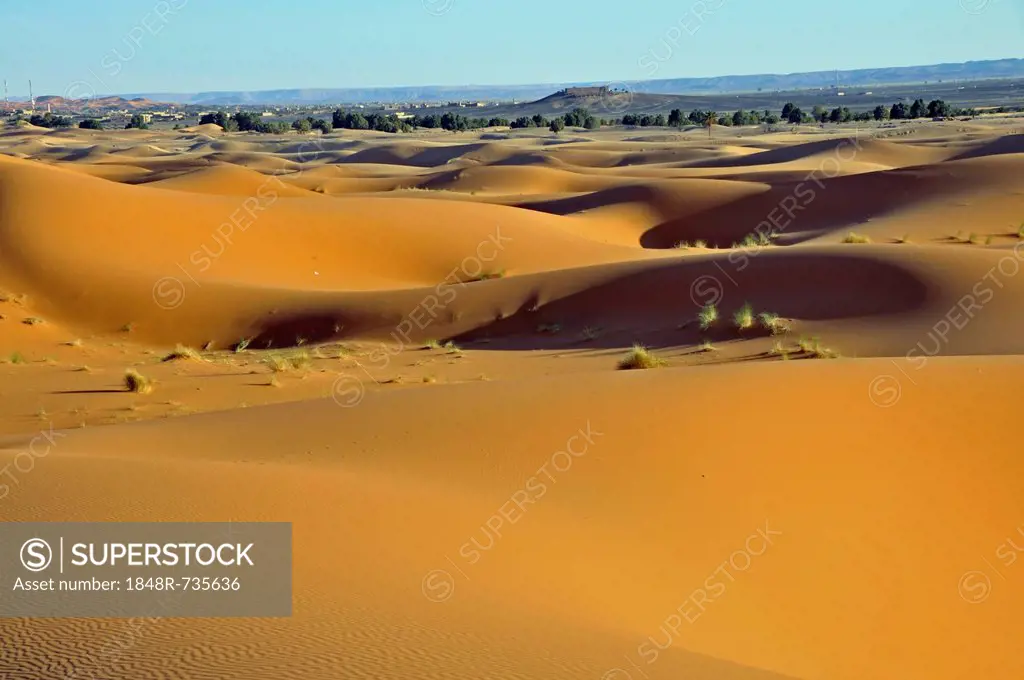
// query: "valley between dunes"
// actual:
[[400, 344]]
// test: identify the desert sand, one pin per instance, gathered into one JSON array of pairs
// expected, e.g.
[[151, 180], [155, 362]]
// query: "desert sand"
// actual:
[[407, 346]]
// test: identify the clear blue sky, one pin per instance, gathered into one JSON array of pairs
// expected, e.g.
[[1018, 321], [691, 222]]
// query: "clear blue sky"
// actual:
[[199, 45]]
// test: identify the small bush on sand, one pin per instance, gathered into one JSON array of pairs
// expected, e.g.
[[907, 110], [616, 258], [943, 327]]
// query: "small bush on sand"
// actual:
[[639, 357], [136, 382], [280, 363], [487, 275], [707, 316], [183, 353], [854, 237], [744, 317], [700, 243], [814, 348], [773, 323]]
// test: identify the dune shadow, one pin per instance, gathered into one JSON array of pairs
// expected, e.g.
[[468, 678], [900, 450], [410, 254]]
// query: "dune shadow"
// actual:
[[807, 208], [658, 305]]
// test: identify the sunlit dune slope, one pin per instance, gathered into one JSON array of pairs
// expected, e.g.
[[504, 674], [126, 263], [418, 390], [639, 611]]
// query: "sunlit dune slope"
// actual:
[[848, 526]]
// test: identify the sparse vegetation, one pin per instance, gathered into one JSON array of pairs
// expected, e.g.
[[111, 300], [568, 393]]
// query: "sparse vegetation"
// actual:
[[639, 357], [242, 345], [433, 344], [590, 333], [854, 237], [707, 316], [183, 353], [280, 363], [744, 317], [551, 328], [773, 323], [707, 346], [814, 349], [700, 243], [136, 382], [451, 348], [487, 275], [683, 245], [16, 358], [137, 122], [32, 321]]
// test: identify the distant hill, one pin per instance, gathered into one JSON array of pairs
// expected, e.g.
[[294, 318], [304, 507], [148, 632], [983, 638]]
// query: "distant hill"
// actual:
[[972, 70], [94, 104]]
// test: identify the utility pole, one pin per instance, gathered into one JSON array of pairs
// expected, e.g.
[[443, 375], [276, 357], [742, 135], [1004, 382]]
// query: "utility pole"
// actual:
[[31, 96]]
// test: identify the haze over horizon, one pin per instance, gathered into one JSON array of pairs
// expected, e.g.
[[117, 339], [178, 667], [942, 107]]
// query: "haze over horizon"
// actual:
[[125, 46]]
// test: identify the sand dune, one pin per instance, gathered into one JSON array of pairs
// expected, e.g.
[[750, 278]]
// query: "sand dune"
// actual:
[[396, 335]]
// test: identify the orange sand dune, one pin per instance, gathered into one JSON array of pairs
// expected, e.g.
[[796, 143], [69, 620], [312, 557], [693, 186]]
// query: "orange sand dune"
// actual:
[[407, 346], [789, 558]]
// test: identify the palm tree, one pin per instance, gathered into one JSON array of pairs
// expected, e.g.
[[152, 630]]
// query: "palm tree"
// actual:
[[712, 119]]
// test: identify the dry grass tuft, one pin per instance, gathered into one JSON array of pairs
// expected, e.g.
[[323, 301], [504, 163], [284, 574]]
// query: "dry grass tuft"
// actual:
[[854, 237], [281, 363], [639, 357], [707, 316], [183, 353], [773, 323], [813, 348], [136, 382], [488, 275], [744, 317]]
